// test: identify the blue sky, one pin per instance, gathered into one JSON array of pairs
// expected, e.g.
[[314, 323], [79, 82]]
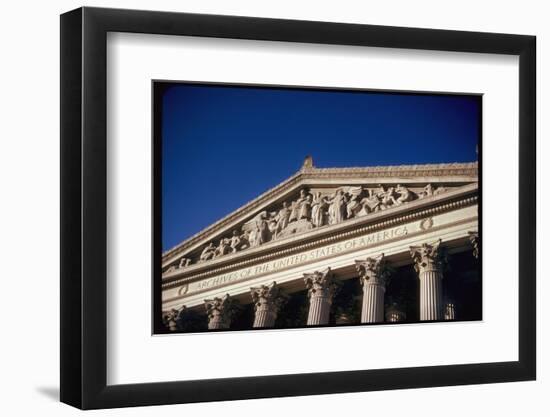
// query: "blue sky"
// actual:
[[223, 146]]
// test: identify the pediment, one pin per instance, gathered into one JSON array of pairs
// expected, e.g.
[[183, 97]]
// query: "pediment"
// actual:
[[316, 198]]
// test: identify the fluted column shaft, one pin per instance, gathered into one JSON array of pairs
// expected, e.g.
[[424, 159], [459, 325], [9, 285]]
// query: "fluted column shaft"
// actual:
[[265, 316], [373, 303], [431, 295], [219, 312], [321, 289], [373, 274], [267, 301], [428, 263], [319, 309], [217, 322]]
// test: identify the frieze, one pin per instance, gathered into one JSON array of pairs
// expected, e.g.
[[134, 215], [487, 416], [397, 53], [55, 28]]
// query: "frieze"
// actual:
[[323, 252]]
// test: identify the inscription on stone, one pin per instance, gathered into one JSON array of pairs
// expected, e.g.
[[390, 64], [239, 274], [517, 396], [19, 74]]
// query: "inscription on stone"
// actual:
[[293, 260]]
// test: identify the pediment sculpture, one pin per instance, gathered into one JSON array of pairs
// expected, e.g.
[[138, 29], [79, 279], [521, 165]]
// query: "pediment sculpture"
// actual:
[[309, 210]]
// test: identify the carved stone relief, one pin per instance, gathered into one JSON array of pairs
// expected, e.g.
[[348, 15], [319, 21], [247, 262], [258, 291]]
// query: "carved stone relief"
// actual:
[[306, 212]]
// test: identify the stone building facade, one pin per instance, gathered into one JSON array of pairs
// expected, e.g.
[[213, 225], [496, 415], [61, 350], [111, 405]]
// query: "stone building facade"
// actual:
[[334, 246]]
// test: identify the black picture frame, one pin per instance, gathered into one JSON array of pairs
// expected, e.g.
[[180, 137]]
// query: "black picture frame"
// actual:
[[84, 207]]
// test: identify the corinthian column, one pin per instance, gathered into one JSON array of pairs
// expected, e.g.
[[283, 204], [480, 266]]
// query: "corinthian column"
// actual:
[[267, 300], [219, 312], [321, 288], [373, 275], [428, 264]]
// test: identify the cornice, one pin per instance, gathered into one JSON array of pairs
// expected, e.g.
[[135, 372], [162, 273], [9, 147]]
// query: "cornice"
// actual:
[[420, 170]]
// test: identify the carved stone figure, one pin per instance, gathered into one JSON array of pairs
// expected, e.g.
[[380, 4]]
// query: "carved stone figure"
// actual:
[[296, 207], [208, 252], [293, 216], [309, 211], [305, 208], [387, 198], [282, 218], [251, 237], [439, 190], [257, 229], [427, 192], [372, 202], [318, 210], [184, 262], [354, 204], [405, 195], [337, 209], [237, 241], [223, 248], [272, 226], [262, 228]]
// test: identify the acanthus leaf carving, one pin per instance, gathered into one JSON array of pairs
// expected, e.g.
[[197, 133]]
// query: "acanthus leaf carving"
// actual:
[[219, 312], [170, 318], [428, 257], [321, 284], [373, 270], [268, 296]]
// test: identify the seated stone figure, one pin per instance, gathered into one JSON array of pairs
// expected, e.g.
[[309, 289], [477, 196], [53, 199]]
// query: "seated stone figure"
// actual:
[[405, 195], [208, 252]]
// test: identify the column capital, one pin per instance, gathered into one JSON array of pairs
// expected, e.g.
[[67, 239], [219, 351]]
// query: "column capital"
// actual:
[[219, 312], [321, 283], [267, 295], [373, 270], [267, 299], [170, 318], [474, 240], [427, 257]]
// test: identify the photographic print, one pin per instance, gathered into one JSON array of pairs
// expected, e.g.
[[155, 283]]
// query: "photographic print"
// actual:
[[279, 207], [323, 185]]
